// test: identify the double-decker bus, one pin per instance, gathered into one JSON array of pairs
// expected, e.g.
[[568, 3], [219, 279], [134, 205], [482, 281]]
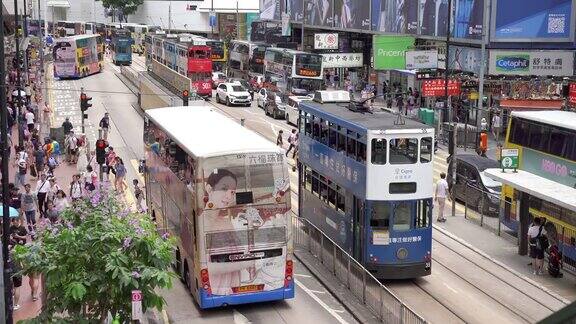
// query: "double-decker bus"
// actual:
[[546, 143], [219, 54], [139, 31], [245, 59], [77, 56], [186, 54], [366, 180], [293, 72], [227, 201], [121, 47]]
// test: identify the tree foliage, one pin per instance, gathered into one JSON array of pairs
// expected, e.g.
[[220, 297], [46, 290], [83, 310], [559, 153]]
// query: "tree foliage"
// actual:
[[94, 258], [124, 7]]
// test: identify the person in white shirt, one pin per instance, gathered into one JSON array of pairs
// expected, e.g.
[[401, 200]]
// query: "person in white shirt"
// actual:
[[76, 188], [29, 120], [42, 189], [440, 196], [536, 232], [496, 124]]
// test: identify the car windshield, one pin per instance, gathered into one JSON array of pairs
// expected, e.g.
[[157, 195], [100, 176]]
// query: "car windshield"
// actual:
[[221, 76], [237, 88], [490, 183]]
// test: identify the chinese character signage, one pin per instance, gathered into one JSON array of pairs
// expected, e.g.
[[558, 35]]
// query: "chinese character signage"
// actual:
[[436, 88], [532, 21], [338, 60], [555, 63], [326, 41], [572, 94]]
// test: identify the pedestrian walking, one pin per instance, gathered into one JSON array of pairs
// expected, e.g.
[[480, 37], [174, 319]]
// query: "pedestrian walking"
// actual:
[[75, 188], [54, 188], [139, 194], [39, 160], [483, 125], [292, 141], [20, 175], [71, 148], [67, 126], [538, 243], [105, 125], [29, 202], [56, 152], [90, 179], [119, 183], [110, 162], [42, 189], [279, 139], [16, 278], [440, 196], [29, 116], [496, 125], [60, 201]]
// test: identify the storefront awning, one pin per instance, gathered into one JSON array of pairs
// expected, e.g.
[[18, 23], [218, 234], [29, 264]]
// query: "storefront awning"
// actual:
[[531, 104], [536, 186], [58, 3]]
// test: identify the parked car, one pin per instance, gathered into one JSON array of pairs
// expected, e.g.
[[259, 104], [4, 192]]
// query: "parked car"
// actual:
[[274, 105], [260, 97], [292, 107], [245, 84], [472, 186], [232, 94], [217, 79]]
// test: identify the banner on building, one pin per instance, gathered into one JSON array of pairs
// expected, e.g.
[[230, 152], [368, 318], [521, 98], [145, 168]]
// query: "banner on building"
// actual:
[[468, 19], [466, 59], [433, 17], [389, 51], [286, 24], [554, 63], [572, 94], [350, 14], [421, 59], [342, 60], [437, 88], [395, 16], [271, 9], [326, 41], [533, 21]]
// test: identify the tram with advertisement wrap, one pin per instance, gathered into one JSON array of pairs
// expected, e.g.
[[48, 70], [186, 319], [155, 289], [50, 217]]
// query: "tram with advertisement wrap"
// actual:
[[77, 56], [226, 200], [186, 54], [293, 72], [366, 180]]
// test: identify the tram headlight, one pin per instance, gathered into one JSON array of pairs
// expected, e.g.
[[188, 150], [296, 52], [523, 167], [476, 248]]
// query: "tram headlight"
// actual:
[[402, 253]]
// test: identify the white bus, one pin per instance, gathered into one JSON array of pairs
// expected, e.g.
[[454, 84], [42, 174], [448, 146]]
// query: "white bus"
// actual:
[[293, 72], [224, 192], [246, 59]]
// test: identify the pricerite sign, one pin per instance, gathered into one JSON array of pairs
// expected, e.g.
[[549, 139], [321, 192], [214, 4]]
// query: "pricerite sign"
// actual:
[[556, 63], [390, 51]]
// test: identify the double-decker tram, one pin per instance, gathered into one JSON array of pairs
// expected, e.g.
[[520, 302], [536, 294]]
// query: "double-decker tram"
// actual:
[[121, 47], [245, 59], [227, 201], [77, 56], [186, 54], [293, 72], [366, 180]]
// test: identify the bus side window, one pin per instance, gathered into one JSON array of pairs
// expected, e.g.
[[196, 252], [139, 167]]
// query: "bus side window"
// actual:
[[351, 144], [324, 131], [340, 199], [332, 136], [323, 189], [341, 139], [361, 149], [316, 128], [315, 184], [308, 125]]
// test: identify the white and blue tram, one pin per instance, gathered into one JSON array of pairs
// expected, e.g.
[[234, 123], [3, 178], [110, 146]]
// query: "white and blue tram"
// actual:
[[366, 180]]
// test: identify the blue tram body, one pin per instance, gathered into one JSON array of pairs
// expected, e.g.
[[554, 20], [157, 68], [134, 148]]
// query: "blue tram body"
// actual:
[[366, 182], [121, 47]]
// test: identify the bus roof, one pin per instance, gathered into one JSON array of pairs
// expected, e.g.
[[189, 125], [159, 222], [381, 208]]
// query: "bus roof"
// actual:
[[289, 51], [357, 121], [204, 132], [565, 119]]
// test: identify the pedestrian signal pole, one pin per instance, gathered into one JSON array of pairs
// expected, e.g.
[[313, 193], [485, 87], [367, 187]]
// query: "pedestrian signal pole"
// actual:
[[185, 97]]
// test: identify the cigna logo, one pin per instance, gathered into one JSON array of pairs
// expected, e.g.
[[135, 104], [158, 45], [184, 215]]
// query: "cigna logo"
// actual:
[[513, 63]]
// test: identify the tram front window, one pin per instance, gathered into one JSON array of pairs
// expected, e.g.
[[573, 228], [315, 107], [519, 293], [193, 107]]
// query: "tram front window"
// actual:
[[402, 215], [380, 216]]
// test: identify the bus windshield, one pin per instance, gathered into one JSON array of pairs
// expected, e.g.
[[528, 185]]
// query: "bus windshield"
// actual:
[[304, 86], [217, 50], [308, 65], [257, 60]]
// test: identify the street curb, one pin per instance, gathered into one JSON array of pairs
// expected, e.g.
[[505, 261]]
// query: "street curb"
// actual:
[[485, 255]]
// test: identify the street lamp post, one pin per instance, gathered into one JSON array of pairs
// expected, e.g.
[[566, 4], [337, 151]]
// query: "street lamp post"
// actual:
[[448, 109]]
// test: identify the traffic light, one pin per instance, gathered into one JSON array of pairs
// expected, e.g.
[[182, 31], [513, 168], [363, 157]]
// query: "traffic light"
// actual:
[[85, 102], [101, 146], [185, 95]]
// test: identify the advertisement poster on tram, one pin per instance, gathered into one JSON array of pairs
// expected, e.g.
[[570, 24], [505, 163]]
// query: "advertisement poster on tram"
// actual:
[[395, 16], [65, 58], [468, 19], [247, 231], [351, 14]]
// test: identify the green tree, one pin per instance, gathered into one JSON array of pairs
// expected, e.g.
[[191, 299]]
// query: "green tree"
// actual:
[[122, 7], [94, 258]]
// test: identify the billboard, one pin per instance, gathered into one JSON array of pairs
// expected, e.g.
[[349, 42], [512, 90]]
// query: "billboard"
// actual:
[[295, 9], [351, 14], [389, 51], [319, 12], [468, 19], [395, 16], [466, 59], [555, 63], [271, 9], [421, 59], [433, 17], [530, 21]]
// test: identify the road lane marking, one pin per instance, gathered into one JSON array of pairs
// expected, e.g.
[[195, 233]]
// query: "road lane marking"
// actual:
[[331, 311], [302, 275], [239, 318], [452, 289]]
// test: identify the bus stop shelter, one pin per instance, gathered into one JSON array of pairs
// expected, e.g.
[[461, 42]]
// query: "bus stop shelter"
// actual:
[[529, 184]]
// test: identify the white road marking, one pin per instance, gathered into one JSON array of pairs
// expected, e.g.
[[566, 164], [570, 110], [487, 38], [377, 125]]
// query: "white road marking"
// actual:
[[332, 312], [302, 275], [317, 291], [453, 290], [239, 318]]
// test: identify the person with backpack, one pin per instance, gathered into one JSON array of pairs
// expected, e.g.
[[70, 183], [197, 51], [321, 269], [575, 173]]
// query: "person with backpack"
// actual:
[[538, 243], [56, 152]]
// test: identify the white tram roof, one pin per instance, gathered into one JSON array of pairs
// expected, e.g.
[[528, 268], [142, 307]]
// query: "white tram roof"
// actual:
[[565, 119], [537, 186], [204, 132]]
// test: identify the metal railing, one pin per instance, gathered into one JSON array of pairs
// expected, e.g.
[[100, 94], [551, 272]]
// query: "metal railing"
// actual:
[[381, 302]]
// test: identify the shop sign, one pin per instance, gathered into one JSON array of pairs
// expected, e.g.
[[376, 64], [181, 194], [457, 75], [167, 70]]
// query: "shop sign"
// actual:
[[555, 63], [389, 51], [342, 60], [421, 60], [326, 41], [572, 93], [437, 88], [509, 159]]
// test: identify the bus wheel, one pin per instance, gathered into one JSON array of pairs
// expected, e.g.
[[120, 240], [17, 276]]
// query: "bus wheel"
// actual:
[[186, 275]]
